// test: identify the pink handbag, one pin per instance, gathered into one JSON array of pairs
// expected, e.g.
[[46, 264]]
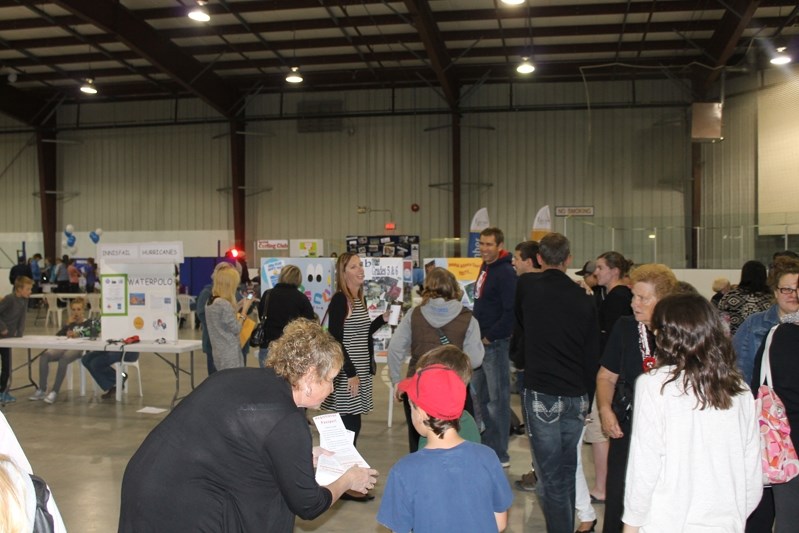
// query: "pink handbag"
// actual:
[[778, 455]]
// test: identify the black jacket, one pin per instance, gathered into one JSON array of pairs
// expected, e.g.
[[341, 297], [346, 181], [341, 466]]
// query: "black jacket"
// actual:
[[285, 303]]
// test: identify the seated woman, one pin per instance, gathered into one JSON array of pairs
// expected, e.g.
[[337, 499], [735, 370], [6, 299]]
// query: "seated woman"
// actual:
[[236, 454], [77, 326]]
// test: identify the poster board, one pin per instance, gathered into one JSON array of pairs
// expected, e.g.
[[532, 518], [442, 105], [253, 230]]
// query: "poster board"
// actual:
[[382, 284], [402, 246], [317, 278], [465, 270], [139, 290], [306, 248]]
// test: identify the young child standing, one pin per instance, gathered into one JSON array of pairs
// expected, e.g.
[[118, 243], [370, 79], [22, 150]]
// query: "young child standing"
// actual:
[[451, 484]]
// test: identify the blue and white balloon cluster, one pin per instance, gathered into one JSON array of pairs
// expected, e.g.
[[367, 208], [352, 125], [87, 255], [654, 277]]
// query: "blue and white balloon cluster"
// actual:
[[70, 240]]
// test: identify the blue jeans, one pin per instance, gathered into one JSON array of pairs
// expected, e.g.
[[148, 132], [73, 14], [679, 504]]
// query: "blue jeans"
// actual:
[[99, 366], [491, 385], [554, 425]]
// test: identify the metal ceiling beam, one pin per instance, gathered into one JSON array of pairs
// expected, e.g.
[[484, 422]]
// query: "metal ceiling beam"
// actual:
[[547, 51], [158, 50], [25, 107], [736, 18]]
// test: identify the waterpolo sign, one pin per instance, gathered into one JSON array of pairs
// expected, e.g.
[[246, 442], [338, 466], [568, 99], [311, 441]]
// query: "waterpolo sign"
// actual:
[[143, 252], [576, 211]]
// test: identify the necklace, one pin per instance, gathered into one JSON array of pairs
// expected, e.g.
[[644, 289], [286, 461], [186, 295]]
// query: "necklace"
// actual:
[[649, 360]]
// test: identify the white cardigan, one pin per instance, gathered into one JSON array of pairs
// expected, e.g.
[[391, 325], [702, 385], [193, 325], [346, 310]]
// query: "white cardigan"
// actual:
[[690, 470]]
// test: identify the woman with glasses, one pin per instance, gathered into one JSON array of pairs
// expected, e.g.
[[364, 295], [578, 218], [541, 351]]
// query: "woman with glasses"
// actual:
[[783, 278]]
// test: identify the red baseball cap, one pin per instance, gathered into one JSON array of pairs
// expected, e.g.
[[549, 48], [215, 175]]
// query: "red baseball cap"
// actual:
[[438, 390]]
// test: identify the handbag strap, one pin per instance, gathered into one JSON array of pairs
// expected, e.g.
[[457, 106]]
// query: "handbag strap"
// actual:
[[266, 304], [765, 366]]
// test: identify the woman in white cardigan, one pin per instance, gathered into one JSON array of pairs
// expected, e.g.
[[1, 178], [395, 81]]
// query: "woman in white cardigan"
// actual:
[[694, 460]]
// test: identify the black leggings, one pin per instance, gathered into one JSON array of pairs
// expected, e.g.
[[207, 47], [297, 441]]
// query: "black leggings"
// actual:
[[614, 485], [353, 423]]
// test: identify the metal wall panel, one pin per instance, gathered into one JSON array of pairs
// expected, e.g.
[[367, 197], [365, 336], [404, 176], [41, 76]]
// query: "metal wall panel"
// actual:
[[730, 188], [318, 180], [19, 180], [146, 179], [631, 165]]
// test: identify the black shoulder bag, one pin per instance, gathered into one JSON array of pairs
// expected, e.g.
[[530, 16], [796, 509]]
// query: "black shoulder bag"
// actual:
[[257, 337]]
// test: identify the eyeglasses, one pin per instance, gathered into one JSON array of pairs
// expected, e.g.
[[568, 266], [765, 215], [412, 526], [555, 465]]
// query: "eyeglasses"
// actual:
[[788, 290]]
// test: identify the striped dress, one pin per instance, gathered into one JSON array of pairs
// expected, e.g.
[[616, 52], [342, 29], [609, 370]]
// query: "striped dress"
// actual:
[[356, 341]]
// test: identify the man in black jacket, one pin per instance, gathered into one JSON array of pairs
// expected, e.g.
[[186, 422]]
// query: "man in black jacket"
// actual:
[[560, 339]]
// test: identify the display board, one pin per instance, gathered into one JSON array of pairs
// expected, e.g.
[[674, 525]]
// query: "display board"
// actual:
[[382, 285], [139, 290], [403, 246], [317, 278], [465, 270]]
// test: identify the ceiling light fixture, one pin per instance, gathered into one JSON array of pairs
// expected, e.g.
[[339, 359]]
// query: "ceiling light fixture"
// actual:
[[525, 67], [88, 87], [781, 58], [513, 2], [200, 12], [294, 76]]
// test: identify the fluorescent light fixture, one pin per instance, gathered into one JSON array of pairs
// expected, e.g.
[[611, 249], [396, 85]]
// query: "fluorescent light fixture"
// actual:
[[525, 67], [294, 76], [88, 87], [781, 58], [513, 2], [199, 13]]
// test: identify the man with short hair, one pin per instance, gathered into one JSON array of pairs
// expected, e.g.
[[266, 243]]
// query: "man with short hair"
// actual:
[[525, 258], [493, 309], [560, 339]]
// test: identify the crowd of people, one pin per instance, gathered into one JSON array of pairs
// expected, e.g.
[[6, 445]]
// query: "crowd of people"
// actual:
[[660, 381]]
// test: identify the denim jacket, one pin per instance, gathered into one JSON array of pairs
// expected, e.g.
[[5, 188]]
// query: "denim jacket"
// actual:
[[750, 336]]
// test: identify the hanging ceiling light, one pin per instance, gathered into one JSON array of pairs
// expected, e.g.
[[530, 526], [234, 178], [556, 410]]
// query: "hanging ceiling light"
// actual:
[[88, 87], [525, 67], [294, 76], [781, 58], [513, 2], [200, 12]]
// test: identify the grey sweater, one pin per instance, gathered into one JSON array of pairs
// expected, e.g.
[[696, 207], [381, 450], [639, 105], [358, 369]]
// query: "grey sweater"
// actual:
[[223, 331], [13, 310]]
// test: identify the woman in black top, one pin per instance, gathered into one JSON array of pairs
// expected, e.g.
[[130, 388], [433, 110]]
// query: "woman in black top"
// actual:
[[236, 454], [281, 305], [611, 269], [630, 347]]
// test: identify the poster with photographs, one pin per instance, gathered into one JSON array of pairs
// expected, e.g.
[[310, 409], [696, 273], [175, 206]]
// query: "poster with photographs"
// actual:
[[403, 246], [382, 285], [465, 270], [317, 278]]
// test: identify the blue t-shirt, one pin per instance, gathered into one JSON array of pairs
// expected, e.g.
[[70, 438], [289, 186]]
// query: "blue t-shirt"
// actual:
[[457, 489]]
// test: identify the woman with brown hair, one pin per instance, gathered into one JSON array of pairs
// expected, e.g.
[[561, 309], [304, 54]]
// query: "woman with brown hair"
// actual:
[[348, 322], [694, 461], [440, 319]]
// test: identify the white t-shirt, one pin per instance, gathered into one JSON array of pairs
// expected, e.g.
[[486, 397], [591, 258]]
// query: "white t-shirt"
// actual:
[[690, 470]]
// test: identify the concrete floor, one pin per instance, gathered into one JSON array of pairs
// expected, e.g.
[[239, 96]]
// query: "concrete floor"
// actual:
[[81, 446]]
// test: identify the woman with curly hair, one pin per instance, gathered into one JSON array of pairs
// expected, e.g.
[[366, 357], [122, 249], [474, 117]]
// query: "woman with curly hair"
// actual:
[[236, 454], [694, 460]]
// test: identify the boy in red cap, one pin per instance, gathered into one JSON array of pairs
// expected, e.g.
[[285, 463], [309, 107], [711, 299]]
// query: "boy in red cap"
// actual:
[[451, 484]]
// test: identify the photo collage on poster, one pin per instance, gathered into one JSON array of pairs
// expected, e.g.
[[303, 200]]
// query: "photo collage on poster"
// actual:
[[402, 246]]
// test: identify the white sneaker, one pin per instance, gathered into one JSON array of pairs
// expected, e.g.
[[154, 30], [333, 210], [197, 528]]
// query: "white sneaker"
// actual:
[[38, 395], [50, 398]]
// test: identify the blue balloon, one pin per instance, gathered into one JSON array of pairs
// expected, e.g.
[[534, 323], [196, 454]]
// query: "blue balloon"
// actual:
[[71, 240], [94, 237], [67, 234]]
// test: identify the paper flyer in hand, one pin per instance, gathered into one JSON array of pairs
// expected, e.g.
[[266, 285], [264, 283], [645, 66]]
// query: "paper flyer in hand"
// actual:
[[334, 437]]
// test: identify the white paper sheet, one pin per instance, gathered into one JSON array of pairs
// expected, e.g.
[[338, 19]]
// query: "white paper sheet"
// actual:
[[334, 437]]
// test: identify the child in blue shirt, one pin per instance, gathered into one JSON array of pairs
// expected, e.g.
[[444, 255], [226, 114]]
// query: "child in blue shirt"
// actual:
[[451, 484]]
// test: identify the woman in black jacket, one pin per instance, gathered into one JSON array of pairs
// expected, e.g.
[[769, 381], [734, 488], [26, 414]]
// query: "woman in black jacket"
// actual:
[[280, 305]]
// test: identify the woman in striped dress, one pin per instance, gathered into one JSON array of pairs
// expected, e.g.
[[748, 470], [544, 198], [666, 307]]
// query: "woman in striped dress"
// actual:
[[350, 325]]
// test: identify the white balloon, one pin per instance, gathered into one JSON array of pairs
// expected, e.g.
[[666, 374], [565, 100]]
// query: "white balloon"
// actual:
[[73, 251], [99, 231], [63, 243], [70, 228]]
